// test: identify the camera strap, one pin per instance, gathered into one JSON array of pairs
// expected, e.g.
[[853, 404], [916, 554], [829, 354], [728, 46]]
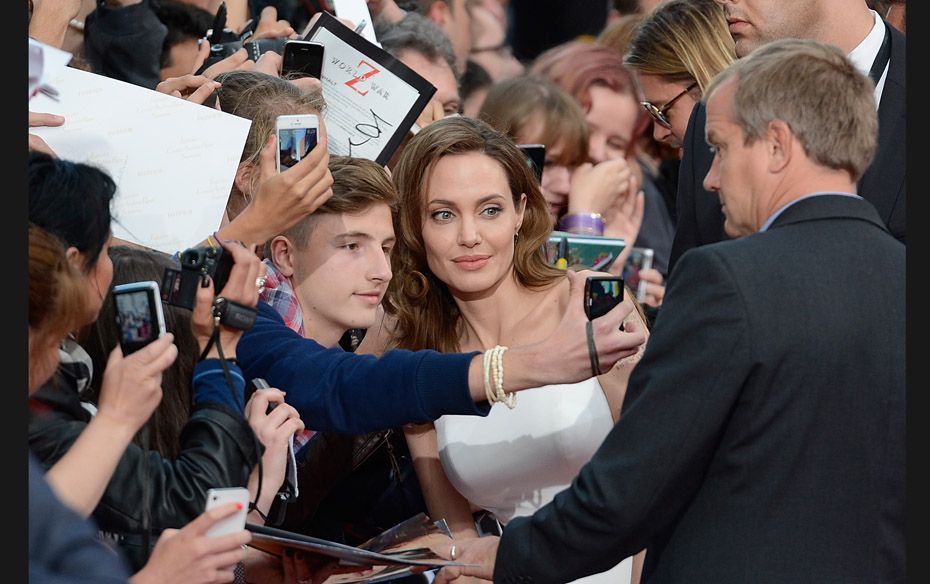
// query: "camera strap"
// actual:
[[215, 340]]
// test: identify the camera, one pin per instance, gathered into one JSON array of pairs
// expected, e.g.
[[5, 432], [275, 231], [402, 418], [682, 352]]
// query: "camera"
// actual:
[[179, 287], [224, 42]]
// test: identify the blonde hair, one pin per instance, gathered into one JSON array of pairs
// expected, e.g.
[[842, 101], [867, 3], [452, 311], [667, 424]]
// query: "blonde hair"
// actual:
[[816, 90], [683, 41], [426, 313]]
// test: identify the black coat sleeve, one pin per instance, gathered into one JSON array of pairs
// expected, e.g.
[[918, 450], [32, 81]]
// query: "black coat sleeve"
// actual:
[[125, 43], [700, 220], [652, 462], [218, 449]]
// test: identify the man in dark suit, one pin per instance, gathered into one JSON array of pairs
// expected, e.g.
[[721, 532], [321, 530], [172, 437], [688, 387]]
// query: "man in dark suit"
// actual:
[[859, 32], [762, 434]]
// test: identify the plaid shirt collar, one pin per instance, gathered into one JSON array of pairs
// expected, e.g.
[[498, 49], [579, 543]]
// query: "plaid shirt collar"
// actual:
[[280, 295]]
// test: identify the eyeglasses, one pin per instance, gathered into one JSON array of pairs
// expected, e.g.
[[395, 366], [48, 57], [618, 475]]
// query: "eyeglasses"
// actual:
[[661, 114]]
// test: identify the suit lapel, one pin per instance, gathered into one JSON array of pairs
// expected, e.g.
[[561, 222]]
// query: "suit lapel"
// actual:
[[883, 182]]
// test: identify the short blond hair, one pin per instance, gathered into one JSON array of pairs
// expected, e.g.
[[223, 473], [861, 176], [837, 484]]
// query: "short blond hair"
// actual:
[[683, 41]]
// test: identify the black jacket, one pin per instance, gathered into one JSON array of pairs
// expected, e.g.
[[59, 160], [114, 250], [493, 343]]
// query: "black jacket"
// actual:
[[125, 42], [218, 449], [762, 435], [700, 220]]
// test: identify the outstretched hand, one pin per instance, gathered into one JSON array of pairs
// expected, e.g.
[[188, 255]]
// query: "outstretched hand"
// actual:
[[269, 27], [480, 553], [283, 199], [195, 88], [131, 386], [38, 120], [567, 347]]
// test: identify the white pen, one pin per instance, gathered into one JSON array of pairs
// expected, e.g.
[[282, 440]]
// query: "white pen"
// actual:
[[361, 26]]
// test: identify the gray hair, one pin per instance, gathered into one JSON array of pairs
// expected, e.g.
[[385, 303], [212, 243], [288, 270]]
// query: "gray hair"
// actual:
[[828, 104], [421, 35]]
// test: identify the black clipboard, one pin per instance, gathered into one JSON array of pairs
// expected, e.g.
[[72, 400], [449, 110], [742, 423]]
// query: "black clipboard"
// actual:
[[384, 59]]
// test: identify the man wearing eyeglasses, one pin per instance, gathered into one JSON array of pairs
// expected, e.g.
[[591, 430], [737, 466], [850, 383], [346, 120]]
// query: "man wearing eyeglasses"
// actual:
[[667, 131], [876, 49]]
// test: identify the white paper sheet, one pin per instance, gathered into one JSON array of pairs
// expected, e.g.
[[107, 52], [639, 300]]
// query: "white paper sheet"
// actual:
[[173, 161], [370, 106], [357, 12]]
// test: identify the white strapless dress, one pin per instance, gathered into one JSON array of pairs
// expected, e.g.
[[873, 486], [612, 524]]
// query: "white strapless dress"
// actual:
[[513, 462]]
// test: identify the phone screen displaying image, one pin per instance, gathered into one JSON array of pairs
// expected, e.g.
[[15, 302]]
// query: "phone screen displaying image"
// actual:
[[294, 144], [138, 315], [601, 295], [640, 258]]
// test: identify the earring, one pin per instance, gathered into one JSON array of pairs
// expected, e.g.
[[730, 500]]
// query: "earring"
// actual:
[[516, 237]]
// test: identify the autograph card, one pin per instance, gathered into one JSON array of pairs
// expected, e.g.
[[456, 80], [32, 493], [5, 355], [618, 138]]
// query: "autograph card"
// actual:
[[372, 99]]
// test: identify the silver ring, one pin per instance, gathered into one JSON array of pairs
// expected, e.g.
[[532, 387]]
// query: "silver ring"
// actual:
[[260, 284], [452, 552]]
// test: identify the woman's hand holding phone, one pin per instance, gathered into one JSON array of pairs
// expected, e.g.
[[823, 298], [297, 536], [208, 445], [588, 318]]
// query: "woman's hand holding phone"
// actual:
[[282, 199], [191, 555], [131, 386]]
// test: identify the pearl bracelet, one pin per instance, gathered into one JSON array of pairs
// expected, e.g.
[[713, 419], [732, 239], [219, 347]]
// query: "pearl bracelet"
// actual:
[[494, 372]]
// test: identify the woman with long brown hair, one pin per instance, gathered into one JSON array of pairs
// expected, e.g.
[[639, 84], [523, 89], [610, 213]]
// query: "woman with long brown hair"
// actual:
[[471, 224]]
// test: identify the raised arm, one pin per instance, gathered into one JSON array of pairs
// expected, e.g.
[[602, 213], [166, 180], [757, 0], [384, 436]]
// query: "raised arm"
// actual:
[[347, 392], [130, 392]]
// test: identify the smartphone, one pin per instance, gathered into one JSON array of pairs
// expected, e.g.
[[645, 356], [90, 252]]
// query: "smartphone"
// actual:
[[640, 258], [297, 135], [139, 314], [290, 473], [535, 157], [303, 58], [601, 293], [236, 521]]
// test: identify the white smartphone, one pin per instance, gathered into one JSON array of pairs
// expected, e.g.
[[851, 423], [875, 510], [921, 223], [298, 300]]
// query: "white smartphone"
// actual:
[[236, 521], [139, 314], [297, 135]]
